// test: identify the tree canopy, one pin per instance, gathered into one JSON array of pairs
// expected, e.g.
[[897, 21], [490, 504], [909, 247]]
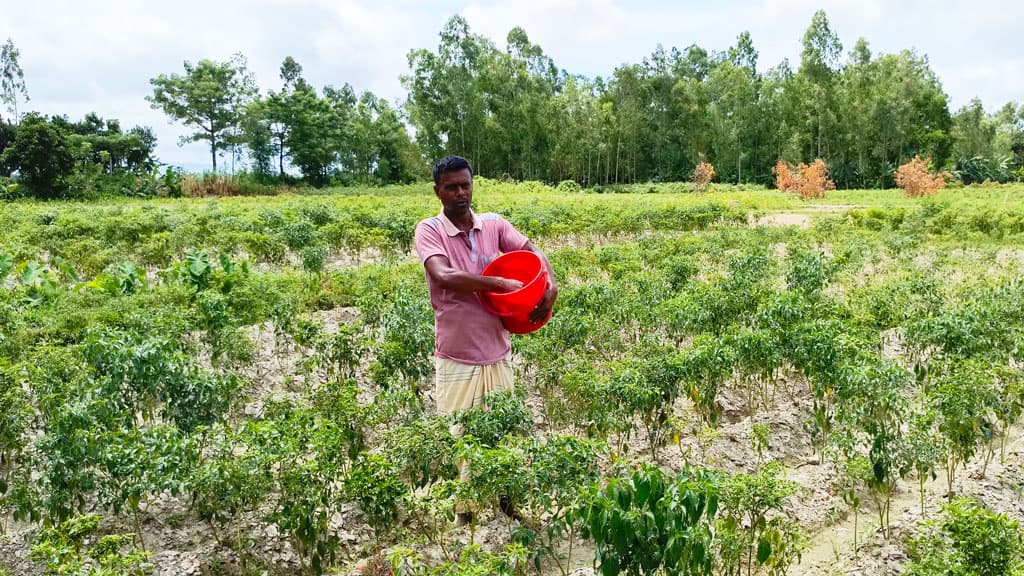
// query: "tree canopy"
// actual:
[[515, 114]]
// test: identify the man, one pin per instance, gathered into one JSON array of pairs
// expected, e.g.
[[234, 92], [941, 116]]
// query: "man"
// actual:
[[472, 346]]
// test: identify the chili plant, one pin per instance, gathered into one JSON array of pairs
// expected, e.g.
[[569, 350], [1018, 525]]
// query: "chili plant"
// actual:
[[650, 521], [970, 540], [923, 449], [136, 465], [232, 479], [875, 402], [62, 550], [15, 419], [961, 394], [704, 368], [562, 467], [752, 506], [422, 450], [501, 414], [373, 483]]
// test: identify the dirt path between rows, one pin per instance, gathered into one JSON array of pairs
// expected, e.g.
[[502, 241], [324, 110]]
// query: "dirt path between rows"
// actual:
[[831, 550]]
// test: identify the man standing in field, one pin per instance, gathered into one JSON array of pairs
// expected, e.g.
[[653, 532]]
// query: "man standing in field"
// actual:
[[472, 346]]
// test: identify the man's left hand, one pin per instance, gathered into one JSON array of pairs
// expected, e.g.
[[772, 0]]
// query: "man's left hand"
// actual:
[[545, 305]]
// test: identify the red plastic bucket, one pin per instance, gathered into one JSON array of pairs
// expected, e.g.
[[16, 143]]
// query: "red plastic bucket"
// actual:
[[526, 267], [518, 324], [522, 324]]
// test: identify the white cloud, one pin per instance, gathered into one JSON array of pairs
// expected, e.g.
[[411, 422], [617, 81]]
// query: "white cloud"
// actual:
[[366, 44], [565, 27]]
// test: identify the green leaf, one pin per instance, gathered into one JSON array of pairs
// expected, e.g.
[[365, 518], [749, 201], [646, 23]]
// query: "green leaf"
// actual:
[[764, 550], [6, 264]]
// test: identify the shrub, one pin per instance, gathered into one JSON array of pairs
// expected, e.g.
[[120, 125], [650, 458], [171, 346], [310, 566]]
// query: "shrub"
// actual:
[[213, 184], [569, 187], [808, 180], [970, 541], [9, 189], [754, 530], [916, 180], [785, 179], [981, 169], [702, 176], [42, 155], [649, 521]]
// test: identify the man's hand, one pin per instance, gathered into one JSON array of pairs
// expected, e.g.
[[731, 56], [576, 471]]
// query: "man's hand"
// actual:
[[550, 295], [544, 306], [509, 285], [448, 278]]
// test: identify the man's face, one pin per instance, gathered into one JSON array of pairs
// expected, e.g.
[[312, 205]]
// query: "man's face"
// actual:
[[455, 190]]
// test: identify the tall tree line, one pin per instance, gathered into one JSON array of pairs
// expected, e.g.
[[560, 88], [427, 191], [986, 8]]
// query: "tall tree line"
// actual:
[[515, 114], [331, 136]]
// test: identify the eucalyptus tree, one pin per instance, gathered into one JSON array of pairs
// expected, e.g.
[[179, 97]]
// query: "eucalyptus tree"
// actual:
[[12, 79]]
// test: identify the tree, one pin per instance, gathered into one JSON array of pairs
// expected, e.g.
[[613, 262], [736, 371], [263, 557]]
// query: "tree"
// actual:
[[389, 154], [445, 102], [972, 132], [12, 79], [818, 64], [41, 153], [210, 97], [103, 142], [317, 137], [733, 96], [7, 134], [281, 109]]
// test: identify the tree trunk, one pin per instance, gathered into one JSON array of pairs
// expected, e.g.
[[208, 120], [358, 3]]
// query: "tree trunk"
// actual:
[[590, 153], [280, 156], [618, 147]]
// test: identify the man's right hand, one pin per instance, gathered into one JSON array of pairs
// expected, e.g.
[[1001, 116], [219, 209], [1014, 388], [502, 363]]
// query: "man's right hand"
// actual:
[[509, 285], [448, 278]]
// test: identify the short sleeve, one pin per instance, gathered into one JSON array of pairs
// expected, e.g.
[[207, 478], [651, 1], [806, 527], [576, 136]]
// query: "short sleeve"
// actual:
[[510, 239], [427, 241]]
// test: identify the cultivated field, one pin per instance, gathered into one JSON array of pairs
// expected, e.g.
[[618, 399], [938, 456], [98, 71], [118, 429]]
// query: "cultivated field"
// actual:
[[736, 381]]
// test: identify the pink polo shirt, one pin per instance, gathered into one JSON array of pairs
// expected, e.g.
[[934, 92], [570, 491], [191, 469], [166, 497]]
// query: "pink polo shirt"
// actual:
[[463, 330]]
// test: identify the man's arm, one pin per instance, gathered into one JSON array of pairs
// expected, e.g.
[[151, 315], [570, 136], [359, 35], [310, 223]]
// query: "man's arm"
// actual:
[[449, 278], [548, 301]]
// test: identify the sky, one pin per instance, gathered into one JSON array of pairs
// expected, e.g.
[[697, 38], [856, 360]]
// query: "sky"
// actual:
[[81, 57]]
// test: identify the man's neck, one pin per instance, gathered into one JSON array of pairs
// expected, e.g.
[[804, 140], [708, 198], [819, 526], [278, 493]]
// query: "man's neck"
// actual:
[[463, 222]]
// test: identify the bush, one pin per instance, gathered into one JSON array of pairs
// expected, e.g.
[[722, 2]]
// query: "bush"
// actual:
[[10, 190], [979, 169], [649, 521], [702, 176], [970, 541], [808, 180], [242, 184], [42, 155], [569, 187], [916, 180]]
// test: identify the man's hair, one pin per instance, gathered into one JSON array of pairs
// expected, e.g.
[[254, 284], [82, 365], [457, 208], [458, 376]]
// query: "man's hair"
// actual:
[[450, 164]]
